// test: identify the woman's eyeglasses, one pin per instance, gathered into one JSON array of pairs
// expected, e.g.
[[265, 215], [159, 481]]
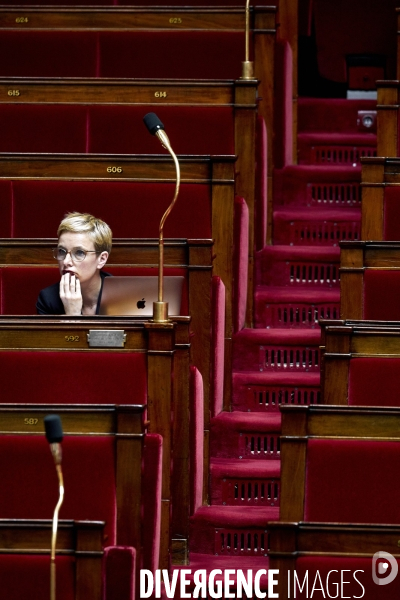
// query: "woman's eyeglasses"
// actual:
[[77, 254]]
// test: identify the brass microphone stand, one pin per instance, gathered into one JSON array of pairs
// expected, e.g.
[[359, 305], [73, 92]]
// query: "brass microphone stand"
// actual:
[[56, 451], [247, 65], [160, 308]]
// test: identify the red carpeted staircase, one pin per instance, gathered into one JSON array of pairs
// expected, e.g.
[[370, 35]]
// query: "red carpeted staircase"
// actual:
[[316, 204]]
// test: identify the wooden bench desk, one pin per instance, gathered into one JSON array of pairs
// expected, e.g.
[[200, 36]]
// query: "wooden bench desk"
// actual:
[[25, 558], [166, 351]]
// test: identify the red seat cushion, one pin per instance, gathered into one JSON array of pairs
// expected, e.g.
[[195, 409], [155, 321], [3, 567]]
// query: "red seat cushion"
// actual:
[[172, 54], [99, 377], [382, 307], [352, 481], [28, 576], [119, 129], [48, 53], [21, 286], [43, 128], [89, 479], [131, 209], [152, 482], [365, 381], [391, 211], [5, 209]]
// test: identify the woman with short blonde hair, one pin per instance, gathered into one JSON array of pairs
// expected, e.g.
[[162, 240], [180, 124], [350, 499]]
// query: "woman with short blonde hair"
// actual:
[[84, 245]]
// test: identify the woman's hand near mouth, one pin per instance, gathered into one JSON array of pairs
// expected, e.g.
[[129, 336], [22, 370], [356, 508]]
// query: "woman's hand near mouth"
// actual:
[[70, 293]]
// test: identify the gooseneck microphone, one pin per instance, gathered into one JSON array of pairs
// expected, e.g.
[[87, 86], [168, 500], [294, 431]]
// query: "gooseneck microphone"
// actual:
[[54, 435], [155, 127]]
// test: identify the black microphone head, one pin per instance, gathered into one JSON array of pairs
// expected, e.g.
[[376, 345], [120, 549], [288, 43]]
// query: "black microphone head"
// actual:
[[152, 123], [53, 427]]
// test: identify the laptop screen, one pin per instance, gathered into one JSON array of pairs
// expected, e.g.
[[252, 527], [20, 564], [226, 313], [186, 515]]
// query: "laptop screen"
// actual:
[[134, 296]]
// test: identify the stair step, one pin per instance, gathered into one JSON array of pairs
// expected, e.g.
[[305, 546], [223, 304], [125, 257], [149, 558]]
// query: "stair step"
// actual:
[[331, 149], [315, 227], [231, 531], [280, 350], [266, 392], [298, 266], [318, 186], [242, 436], [245, 482], [298, 307]]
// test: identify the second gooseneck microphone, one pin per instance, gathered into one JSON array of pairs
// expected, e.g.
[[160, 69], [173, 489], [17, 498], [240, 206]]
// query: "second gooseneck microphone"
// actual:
[[155, 127], [54, 435]]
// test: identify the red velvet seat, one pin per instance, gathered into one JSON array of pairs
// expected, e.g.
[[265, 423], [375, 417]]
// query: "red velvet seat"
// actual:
[[113, 128], [90, 485], [139, 207], [217, 345], [5, 209], [365, 381], [241, 262], [186, 54], [171, 54], [89, 478], [339, 465], [391, 214], [352, 481], [48, 54], [119, 567], [43, 128], [35, 582], [100, 377], [378, 306], [118, 129], [197, 440]]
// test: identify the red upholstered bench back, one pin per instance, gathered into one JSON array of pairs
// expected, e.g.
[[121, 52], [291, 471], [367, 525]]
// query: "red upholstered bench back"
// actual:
[[89, 479], [241, 262], [5, 208], [261, 191], [41, 377], [352, 481], [196, 439], [131, 209], [152, 480], [49, 53], [217, 345], [379, 306], [283, 151], [114, 129], [391, 214], [43, 128], [20, 286], [184, 54], [374, 382], [28, 576], [119, 567]]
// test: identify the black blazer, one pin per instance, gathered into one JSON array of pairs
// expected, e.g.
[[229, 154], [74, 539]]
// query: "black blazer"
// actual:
[[50, 303]]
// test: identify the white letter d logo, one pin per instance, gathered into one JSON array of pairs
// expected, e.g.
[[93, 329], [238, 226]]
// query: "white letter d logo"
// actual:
[[383, 567]]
